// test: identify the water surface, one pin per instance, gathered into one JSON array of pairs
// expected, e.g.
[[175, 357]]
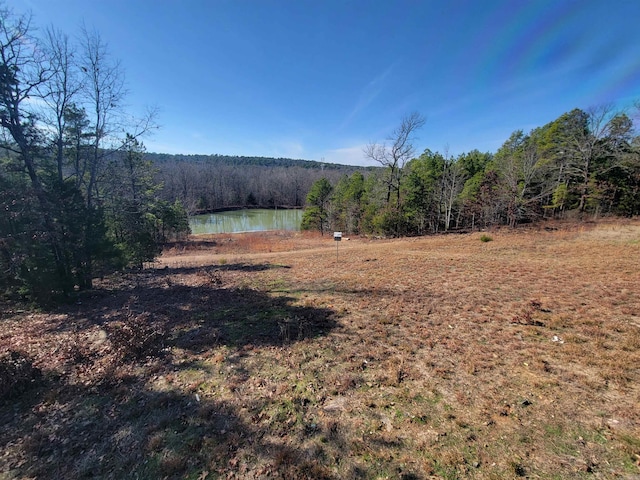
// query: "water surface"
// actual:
[[249, 220]]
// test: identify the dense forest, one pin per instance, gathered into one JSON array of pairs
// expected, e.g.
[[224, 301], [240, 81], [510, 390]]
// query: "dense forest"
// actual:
[[584, 163], [204, 183], [77, 196]]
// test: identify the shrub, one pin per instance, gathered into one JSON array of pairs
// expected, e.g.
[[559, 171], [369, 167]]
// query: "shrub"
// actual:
[[485, 238], [17, 374], [136, 336]]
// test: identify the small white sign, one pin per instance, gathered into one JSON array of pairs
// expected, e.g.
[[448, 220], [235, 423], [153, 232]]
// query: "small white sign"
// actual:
[[337, 236]]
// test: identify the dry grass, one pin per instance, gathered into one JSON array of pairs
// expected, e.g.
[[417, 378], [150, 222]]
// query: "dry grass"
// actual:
[[439, 357]]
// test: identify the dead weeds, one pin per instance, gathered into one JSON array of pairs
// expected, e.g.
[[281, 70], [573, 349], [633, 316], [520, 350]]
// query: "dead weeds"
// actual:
[[262, 356]]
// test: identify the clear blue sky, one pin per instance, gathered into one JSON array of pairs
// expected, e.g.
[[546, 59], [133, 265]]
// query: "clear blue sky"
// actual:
[[320, 79]]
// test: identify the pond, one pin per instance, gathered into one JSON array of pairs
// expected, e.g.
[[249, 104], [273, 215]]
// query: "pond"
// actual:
[[248, 220]]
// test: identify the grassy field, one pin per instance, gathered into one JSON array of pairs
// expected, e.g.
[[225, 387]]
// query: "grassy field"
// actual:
[[265, 356]]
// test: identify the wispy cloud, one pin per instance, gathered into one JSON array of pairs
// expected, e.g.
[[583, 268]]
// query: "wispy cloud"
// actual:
[[288, 149], [348, 156], [368, 94]]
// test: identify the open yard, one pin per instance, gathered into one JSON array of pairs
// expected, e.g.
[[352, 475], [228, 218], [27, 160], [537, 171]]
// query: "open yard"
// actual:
[[265, 356]]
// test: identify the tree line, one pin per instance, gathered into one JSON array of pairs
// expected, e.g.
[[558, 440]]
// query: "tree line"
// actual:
[[582, 163], [78, 198], [205, 183]]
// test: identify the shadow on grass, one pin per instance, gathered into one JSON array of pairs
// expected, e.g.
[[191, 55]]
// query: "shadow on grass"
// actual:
[[191, 244], [120, 430], [113, 421], [198, 317], [241, 267], [204, 315], [125, 428], [109, 415]]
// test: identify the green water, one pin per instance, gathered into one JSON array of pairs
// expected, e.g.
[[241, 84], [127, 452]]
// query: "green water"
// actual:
[[253, 220]]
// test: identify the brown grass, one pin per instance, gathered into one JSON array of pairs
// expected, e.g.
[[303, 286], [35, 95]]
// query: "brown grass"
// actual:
[[264, 357]]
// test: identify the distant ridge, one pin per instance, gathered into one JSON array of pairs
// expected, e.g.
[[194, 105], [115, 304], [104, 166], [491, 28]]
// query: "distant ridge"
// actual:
[[236, 160]]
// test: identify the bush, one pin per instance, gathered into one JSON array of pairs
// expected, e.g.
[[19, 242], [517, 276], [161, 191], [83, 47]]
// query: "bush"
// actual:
[[485, 238], [391, 222], [136, 337], [17, 374]]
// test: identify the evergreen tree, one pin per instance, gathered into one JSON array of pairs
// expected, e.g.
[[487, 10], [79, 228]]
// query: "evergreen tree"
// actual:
[[69, 211], [315, 214]]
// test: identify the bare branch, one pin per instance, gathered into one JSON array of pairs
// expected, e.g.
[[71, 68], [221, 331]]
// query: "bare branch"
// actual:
[[398, 154]]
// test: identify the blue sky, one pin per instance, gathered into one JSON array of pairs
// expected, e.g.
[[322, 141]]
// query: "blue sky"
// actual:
[[320, 79]]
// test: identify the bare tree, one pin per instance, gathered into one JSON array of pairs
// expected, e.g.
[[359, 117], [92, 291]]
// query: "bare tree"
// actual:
[[399, 151], [105, 91], [521, 167], [453, 178], [23, 70], [590, 136], [60, 91]]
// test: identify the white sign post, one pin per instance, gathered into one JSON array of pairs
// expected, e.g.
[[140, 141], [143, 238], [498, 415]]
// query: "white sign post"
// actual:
[[337, 236]]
